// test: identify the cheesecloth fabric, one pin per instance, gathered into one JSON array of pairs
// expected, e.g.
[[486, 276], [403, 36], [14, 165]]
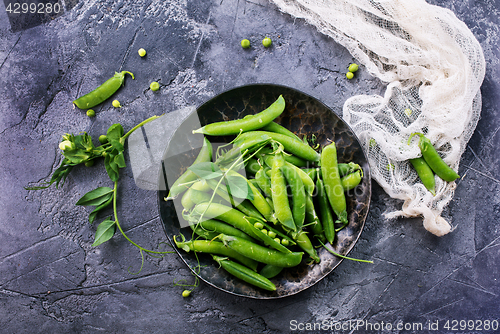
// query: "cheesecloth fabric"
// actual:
[[433, 67]]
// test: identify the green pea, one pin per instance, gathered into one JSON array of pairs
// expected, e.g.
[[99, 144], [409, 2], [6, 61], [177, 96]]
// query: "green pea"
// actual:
[[272, 234], [90, 113], [141, 52], [353, 67], [116, 104], [285, 242], [245, 43], [185, 293], [154, 86], [103, 139], [264, 231], [349, 75], [258, 225], [267, 42]]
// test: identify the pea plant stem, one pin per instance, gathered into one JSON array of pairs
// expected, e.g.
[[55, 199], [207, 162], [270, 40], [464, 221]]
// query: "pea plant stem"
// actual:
[[115, 211], [139, 125]]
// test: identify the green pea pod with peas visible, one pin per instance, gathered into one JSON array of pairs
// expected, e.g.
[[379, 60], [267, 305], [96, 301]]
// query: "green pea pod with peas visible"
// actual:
[[214, 247], [244, 273], [179, 186], [103, 92], [261, 253], [332, 182], [434, 160], [249, 123], [425, 174]]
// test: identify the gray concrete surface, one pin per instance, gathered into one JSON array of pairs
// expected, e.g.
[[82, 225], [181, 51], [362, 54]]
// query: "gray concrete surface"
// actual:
[[53, 281]]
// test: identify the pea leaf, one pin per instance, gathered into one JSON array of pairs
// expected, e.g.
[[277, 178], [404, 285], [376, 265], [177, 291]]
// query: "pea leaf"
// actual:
[[93, 214], [114, 134], [115, 131], [96, 197], [104, 232], [111, 168], [238, 186], [206, 170], [119, 160]]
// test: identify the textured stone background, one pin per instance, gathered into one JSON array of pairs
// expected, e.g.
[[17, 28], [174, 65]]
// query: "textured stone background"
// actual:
[[52, 280]]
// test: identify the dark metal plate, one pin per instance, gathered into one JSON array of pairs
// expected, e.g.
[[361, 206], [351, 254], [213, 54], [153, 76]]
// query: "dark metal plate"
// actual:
[[303, 115]]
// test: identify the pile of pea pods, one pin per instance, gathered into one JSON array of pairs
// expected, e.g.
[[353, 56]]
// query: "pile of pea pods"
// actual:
[[266, 203]]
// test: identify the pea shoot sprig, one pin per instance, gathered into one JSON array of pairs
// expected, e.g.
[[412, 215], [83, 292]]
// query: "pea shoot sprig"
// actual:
[[78, 150]]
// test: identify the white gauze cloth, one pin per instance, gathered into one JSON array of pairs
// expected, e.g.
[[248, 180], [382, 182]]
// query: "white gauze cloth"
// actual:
[[433, 67]]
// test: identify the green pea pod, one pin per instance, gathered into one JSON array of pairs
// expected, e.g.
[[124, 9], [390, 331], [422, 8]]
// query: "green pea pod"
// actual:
[[313, 220], [103, 92], [351, 181], [179, 185], [192, 197], [291, 145], [345, 169], [252, 166], [279, 193], [308, 182], [261, 253], [325, 212], [249, 209], [246, 124], [212, 228], [305, 244], [214, 247], [259, 201], [227, 214], [425, 174], [270, 271], [279, 232], [331, 181], [244, 273], [299, 162], [311, 172], [298, 195], [276, 128], [264, 180], [433, 159]]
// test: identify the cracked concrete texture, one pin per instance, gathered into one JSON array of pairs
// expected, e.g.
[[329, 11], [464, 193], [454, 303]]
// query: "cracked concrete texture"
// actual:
[[52, 280]]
